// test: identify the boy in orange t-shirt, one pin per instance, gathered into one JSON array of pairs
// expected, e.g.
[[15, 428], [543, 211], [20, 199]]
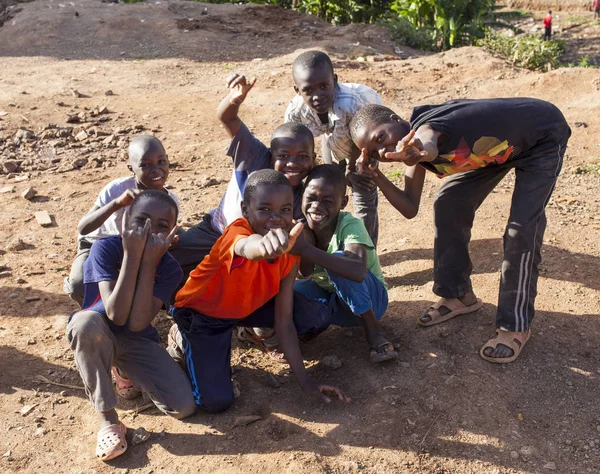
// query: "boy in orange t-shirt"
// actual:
[[246, 280]]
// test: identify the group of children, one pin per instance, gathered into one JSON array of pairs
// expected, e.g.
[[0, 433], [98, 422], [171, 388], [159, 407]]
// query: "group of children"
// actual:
[[280, 259]]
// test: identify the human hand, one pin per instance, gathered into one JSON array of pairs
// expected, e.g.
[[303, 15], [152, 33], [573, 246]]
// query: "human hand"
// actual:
[[239, 87], [174, 242], [157, 245], [134, 237], [361, 180], [366, 165], [127, 197], [277, 241], [302, 241], [409, 150], [324, 392]]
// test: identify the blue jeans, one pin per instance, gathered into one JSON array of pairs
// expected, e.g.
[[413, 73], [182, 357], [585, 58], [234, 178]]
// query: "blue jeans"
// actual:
[[349, 298]]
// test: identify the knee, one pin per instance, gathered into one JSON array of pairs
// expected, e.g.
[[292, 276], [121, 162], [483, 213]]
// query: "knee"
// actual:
[[85, 330], [188, 407], [217, 404], [75, 288]]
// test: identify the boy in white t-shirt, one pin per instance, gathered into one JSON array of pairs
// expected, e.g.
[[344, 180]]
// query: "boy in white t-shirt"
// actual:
[[149, 164]]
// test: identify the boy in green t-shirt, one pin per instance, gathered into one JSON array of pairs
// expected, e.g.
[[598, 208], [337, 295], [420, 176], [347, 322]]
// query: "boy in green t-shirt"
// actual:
[[342, 261]]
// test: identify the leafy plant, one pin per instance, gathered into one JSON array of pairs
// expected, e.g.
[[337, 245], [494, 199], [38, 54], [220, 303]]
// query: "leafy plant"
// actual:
[[527, 51], [404, 32]]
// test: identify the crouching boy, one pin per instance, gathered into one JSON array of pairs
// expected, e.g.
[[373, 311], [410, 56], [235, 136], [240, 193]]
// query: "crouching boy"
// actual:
[[128, 279], [343, 264], [246, 280]]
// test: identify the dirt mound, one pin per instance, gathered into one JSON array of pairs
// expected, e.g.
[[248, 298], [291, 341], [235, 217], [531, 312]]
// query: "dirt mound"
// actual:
[[192, 30], [557, 6]]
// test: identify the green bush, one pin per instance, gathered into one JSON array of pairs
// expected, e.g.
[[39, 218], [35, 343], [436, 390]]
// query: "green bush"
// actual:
[[527, 51], [404, 32]]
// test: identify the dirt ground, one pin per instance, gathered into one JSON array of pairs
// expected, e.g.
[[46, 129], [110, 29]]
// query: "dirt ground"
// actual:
[[440, 409]]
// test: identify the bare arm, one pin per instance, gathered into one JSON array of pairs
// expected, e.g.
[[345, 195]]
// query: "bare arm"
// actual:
[[288, 340], [96, 216], [273, 244], [352, 265], [144, 307], [118, 295], [405, 200], [227, 111]]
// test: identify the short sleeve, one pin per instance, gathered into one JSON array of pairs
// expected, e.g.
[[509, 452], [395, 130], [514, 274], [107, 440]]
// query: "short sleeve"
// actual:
[[169, 275], [104, 261], [233, 233], [353, 231], [113, 190], [248, 152]]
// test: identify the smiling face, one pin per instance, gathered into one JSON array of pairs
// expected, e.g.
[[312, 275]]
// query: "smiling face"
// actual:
[[293, 156], [270, 207], [379, 139], [322, 202], [151, 168], [316, 86], [162, 216]]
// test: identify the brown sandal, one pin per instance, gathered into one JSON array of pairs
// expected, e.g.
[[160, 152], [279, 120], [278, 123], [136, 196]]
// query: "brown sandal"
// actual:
[[454, 306], [512, 342]]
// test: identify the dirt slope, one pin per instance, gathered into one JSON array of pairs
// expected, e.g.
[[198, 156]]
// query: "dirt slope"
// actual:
[[441, 409]]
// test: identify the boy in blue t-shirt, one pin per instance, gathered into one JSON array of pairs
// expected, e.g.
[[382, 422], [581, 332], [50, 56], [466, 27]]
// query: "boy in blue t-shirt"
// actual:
[[114, 327], [342, 261]]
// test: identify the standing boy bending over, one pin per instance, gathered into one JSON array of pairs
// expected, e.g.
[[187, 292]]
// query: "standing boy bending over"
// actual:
[[247, 280], [343, 263], [128, 279], [476, 143], [326, 107], [149, 164]]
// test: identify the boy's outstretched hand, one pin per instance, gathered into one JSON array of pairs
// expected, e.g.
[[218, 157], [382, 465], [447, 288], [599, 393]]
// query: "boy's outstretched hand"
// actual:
[[324, 392], [409, 150], [277, 241], [157, 245], [239, 86]]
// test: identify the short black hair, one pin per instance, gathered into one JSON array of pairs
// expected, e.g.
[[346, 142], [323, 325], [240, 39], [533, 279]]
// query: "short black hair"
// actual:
[[158, 195], [312, 59], [142, 144], [370, 114], [294, 130], [264, 177], [332, 174]]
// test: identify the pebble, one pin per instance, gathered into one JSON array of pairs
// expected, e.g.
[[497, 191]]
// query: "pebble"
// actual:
[[41, 431], [139, 436], [43, 218], [514, 455], [109, 92], [7, 189], [550, 465], [29, 193], [272, 381], [332, 362]]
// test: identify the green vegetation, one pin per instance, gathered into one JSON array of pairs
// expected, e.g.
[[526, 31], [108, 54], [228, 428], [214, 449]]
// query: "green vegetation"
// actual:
[[528, 51], [394, 175], [589, 168]]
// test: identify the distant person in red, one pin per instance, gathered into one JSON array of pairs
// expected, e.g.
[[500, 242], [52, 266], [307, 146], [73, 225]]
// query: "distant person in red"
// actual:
[[548, 26], [596, 8]]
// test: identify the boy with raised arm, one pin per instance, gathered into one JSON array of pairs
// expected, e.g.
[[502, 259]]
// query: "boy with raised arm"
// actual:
[[247, 280], [474, 143], [342, 264], [128, 279]]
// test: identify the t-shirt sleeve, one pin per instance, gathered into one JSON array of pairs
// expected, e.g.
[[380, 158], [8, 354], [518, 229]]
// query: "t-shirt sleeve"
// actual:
[[248, 152], [110, 192], [353, 231], [168, 277], [368, 96], [104, 261], [233, 233]]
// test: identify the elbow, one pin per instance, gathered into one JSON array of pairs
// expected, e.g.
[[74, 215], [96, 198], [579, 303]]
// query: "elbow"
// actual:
[[411, 214]]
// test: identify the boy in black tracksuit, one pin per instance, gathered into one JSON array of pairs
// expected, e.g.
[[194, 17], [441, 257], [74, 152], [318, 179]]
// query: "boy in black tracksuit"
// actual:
[[474, 143]]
